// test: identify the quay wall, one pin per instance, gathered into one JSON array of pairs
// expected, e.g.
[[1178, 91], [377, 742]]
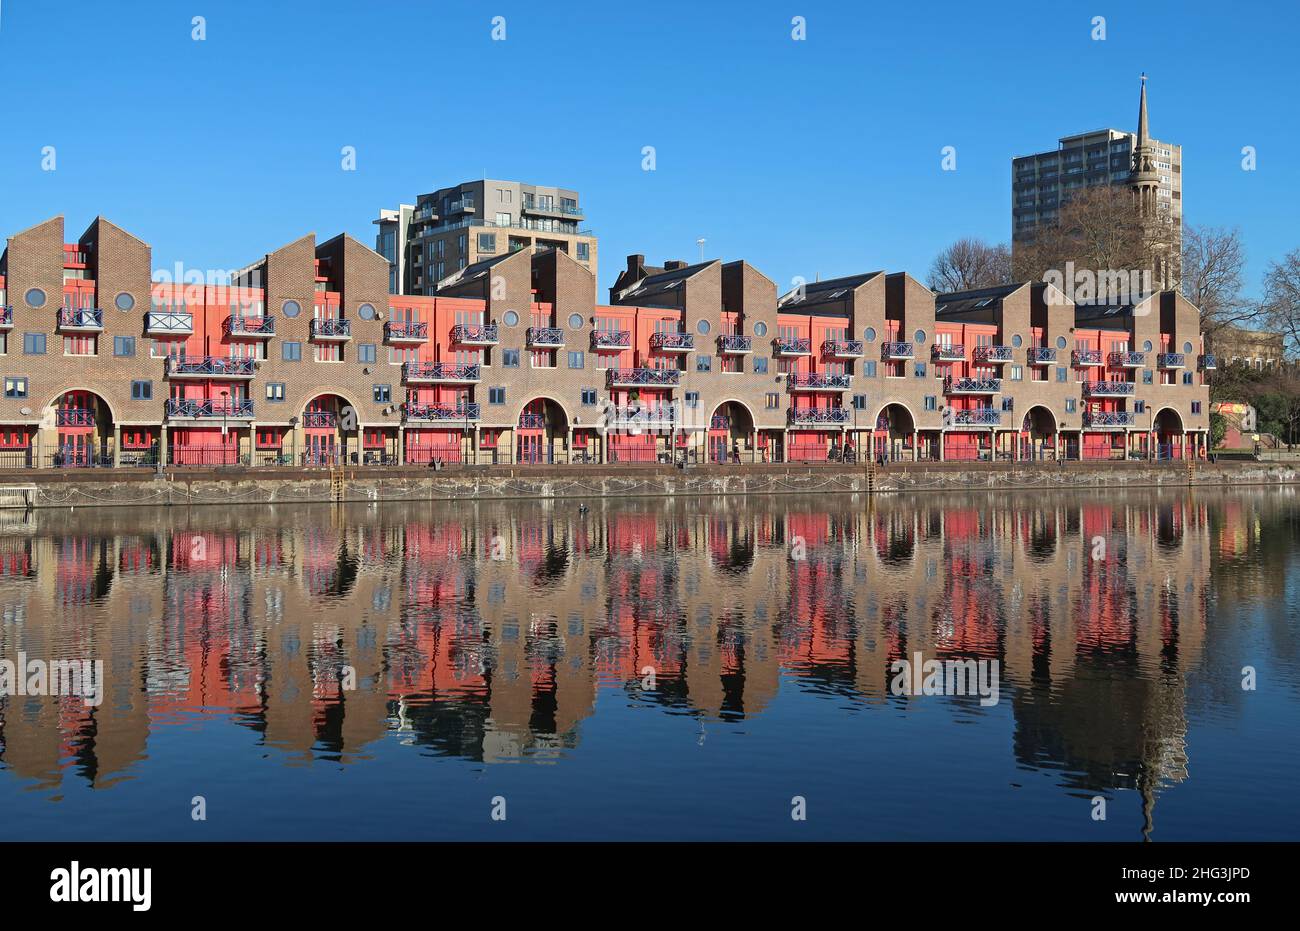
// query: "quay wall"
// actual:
[[278, 486]]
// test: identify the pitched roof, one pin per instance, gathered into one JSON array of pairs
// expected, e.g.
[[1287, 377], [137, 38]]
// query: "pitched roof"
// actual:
[[832, 290]]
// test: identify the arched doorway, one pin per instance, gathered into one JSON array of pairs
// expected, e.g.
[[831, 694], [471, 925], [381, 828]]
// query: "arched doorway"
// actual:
[[1168, 428], [83, 425], [894, 436], [731, 431], [1038, 434], [542, 432], [329, 431]]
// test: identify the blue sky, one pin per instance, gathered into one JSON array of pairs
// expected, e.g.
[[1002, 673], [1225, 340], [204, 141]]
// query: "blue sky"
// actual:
[[817, 157]]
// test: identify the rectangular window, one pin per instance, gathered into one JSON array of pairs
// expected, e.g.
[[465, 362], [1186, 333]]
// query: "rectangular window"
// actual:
[[1196, 407], [366, 352], [931, 402], [496, 395], [383, 394], [1062, 374], [773, 400], [583, 251], [275, 391], [487, 242], [869, 369], [920, 370], [760, 365], [15, 387], [1187, 378], [141, 391], [292, 352], [123, 345], [1069, 405], [1008, 404], [692, 399], [510, 358], [1146, 377], [704, 363], [1139, 407], [860, 402], [1017, 373], [34, 344], [577, 360], [589, 396]]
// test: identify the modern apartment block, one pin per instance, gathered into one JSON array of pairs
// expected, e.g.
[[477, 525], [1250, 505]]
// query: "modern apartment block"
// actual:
[[453, 228], [1040, 183], [306, 358]]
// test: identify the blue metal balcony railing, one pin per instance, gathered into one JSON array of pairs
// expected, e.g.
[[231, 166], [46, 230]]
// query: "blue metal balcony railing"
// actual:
[[817, 381], [468, 334], [672, 342], [949, 353], [735, 343], [979, 417], [972, 385], [331, 328], [719, 422], [250, 326], [1128, 360], [169, 322], [1087, 357], [1209, 362], [1109, 419], [1171, 360], [439, 413], [794, 347], [547, 337], [809, 416], [643, 377], [81, 318], [440, 371], [209, 367], [209, 407], [327, 419], [611, 340], [406, 331], [657, 415], [6, 316], [842, 348], [532, 421], [896, 350], [1040, 355], [74, 417], [1108, 389], [991, 354]]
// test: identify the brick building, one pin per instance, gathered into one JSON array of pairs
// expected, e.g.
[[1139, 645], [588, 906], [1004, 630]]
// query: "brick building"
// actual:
[[305, 357]]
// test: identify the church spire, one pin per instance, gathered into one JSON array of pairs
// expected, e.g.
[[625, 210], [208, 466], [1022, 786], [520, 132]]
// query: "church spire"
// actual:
[[1143, 137]]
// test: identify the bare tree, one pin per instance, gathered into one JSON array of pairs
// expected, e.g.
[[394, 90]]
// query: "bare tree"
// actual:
[[1281, 305], [970, 263], [1213, 262]]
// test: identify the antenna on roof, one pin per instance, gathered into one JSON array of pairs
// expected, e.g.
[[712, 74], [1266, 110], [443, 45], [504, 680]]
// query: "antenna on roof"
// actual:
[[700, 242]]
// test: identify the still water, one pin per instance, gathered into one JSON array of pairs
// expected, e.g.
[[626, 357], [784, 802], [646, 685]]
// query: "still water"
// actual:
[[659, 669]]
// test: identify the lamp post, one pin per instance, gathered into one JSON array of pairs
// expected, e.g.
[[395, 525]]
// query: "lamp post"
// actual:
[[293, 440], [225, 395]]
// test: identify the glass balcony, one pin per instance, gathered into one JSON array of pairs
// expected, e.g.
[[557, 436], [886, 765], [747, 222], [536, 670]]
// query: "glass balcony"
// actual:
[[81, 319], [168, 323], [842, 348], [794, 347], [990, 355], [818, 381], [405, 331], [1109, 389], [333, 329], [734, 345], [972, 385], [896, 351], [467, 334], [209, 408], [611, 340], [440, 372], [1086, 357], [545, 337], [1100, 420], [818, 416], [1127, 360], [250, 327], [643, 377], [1171, 360], [208, 367], [944, 353], [672, 342], [1040, 355], [436, 413]]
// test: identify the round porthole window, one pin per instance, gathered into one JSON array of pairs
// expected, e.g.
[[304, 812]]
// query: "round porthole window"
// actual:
[[1187, 347], [919, 335], [1016, 341], [1146, 346], [291, 309], [124, 302], [575, 321], [1060, 342], [703, 327], [510, 318], [35, 298], [366, 312], [870, 334], [760, 328]]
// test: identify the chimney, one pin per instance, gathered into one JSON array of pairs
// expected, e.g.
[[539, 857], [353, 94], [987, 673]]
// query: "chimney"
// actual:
[[634, 265], [673, 265]]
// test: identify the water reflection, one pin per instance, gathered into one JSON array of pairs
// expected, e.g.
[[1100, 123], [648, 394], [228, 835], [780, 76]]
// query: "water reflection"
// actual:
[[487, 631]]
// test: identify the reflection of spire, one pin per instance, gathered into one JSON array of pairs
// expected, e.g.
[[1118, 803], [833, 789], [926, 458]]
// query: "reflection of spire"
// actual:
[[1148, 806]]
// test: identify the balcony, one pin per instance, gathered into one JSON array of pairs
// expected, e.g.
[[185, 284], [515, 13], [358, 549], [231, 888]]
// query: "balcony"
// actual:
[[400, 332], [944, 353], [735, 345], [320, 419], [466, 334], [972, 385], [440, 373], [1040, 355], [545, 337], [1109, 420], [610, 340], [818, 416], [74, 417], [842, 348], [435, 413], [644, 418], [818, 381], [209, 409], [650, 378], [1108, 389], [81, 320], [168, 323], [1171, 360], [250, 327], [464, 205], [1209, 363], [208, 367], [554, 210], [331, 329], [794, 347], [1127, 360], [6, 318], [672, 342], [895, 351], [1083, 358], [992, 355], [979, 417]]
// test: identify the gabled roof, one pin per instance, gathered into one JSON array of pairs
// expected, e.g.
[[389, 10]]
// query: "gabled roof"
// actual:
[[954, 303], [830, 291], [473, 272], [662, 282]]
